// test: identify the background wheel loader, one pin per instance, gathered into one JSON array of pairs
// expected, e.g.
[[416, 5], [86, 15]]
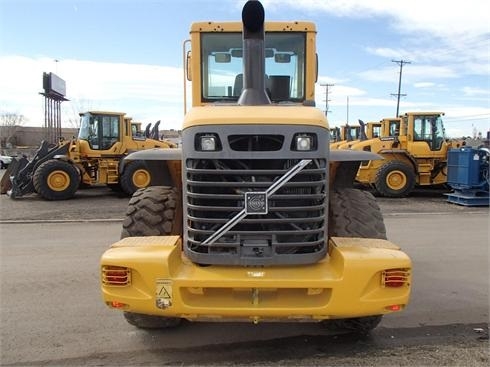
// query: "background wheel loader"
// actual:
[[264, 223], [367, 131], [345, 134], [93, 158], [415, 151]]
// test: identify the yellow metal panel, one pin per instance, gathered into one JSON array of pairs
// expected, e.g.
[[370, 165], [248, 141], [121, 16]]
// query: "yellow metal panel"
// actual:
[[347, 283], [268, 114], [147, 241], [298, 26], [353, 242]]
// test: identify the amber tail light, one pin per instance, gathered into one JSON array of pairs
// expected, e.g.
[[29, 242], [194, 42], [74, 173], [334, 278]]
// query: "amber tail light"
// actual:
[[395, 278], [118, 276]]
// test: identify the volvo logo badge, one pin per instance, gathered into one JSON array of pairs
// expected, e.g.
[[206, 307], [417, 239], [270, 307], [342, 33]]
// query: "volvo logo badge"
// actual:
[[256, 203]]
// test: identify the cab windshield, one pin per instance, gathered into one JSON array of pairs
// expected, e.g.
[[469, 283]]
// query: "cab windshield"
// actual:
[[101, 131], [222, 65], [429, 129]]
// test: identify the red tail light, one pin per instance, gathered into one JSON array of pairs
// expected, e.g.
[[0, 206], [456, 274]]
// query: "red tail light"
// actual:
[[117, 304], [118, 276], [394, 307], [395, 278]]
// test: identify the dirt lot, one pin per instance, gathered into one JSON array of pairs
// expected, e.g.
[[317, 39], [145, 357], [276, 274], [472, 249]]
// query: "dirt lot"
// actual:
[[103, 204], [451, 344]]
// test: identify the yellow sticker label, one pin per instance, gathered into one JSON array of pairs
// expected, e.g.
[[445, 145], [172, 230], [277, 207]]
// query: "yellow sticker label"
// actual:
[[164, 289]]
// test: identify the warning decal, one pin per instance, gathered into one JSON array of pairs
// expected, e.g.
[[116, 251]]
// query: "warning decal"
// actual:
[[164, 289]]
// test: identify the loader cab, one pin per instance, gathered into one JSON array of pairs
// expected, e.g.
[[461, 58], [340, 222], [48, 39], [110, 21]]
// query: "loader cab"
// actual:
[[426, 134], [100, 130], [335, 134], [214, 62], [136, 131], [373, 130], [391, 127]]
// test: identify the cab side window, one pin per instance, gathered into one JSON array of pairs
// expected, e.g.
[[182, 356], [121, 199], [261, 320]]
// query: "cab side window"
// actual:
[[110, 131]]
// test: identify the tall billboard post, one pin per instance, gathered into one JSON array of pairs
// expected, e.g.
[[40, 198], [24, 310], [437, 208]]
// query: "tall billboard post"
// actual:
[[54, 93]]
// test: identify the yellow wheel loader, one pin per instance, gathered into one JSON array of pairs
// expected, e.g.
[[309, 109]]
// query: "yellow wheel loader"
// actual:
[[93, 158], [263, 224], [415, 151]]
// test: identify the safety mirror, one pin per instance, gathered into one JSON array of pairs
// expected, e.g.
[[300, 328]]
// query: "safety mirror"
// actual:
[[222, 57], [282, 58], [188, 60]]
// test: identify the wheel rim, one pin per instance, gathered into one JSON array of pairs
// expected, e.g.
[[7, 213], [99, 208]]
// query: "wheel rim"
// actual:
[[58, 180], [141, 178], [396, 180]]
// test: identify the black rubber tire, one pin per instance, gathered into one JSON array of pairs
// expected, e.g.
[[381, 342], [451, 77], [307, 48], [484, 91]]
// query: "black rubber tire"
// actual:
[[355, 213], [357, 325], [153, 211], [395, 179], [151, 321], [56, 180], [136, 176], [115, 187]]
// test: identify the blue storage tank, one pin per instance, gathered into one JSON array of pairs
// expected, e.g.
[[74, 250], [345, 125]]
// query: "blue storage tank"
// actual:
[[468, 175], [463, 168]]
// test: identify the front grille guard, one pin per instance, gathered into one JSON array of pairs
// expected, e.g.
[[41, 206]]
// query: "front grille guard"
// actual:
[[248, 209], [224, 227]]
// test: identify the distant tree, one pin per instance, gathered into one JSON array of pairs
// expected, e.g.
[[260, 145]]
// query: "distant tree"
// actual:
[[73, 109], [9, 123]]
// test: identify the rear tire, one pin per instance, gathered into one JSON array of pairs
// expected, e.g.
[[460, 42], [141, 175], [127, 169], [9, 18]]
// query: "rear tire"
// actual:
[[151, 321], [358, 325], [395, 179], [56, 180], [136, 176], [153, 211], [355, 213]]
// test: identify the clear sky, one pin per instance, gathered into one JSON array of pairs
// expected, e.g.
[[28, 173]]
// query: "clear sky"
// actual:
[[122, 55]]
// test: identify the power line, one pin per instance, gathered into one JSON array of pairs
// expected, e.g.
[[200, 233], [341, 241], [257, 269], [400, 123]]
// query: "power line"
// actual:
[[401, 63]]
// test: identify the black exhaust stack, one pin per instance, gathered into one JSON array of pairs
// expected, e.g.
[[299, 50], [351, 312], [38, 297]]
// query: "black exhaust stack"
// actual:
[[254, 92]]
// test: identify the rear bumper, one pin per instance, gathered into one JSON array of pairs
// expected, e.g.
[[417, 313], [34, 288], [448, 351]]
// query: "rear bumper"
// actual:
[[162, 281]]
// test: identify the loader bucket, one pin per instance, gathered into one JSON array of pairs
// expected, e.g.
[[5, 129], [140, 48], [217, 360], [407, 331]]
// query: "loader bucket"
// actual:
[[14, 167], [21, 175]]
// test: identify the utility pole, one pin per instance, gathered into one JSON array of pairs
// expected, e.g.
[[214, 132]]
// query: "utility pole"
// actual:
[[401, 63], [347, 123], [326, 85]]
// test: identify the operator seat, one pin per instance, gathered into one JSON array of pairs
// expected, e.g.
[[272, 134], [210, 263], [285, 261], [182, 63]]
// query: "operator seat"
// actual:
[[279, 87], [238, 86]]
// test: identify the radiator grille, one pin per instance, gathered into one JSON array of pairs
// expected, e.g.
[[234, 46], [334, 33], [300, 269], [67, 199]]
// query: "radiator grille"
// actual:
[[293, 230]]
